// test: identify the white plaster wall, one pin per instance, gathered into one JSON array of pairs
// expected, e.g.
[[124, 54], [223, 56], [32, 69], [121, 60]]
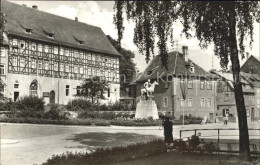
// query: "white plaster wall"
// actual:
[[48, 84]]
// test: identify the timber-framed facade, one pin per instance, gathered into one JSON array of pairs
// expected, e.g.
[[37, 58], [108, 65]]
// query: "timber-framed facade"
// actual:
[[52, 63]]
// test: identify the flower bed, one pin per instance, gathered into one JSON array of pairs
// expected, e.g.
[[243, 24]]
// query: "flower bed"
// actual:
[[135, 122], [109, 155], [96, 122]]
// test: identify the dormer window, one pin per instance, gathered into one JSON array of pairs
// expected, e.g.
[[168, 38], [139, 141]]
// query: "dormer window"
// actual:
[[192, 68], [50, 35], [81, 42], [29, 31]]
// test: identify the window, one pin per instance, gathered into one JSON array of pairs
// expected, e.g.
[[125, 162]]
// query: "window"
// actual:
[[75, 69], [28, 31], [248, 113], [81, 42], [81, 70], [2, 69], [226, 97], [165, 102], [67, 90], [33, 64], [202, 102], [46, 48], [80, 54], [33, 46], [78, 90], [209, 85], [40, 47], [202, 84], [15, 42], [76, 54], [40, 64], [67, 68], [192, 69], [56, 66], [209, 102], [189, 102], [61, 51], [46, 65], [190, 84], [108, 92], [66, 52], [61, 67], [182, 102], [33, 89], [2, 52], [22, 44], [16, 85], [50, 35], [14, 61], [22, 62], [56, 50]]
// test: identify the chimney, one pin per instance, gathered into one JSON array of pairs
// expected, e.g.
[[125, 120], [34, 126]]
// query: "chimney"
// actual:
[[35, 7], [76, 19], [185, 53]]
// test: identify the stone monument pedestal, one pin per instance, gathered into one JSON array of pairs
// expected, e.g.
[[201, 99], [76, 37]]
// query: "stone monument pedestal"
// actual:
[[146, 109]]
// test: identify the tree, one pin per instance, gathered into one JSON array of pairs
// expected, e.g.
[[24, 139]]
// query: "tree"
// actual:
[[2, 90], [223, 24], [126, 64], [93, 88]]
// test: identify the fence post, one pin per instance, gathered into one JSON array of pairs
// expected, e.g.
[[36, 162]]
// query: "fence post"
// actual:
[[180, 134], [218, 135], [195, 132]]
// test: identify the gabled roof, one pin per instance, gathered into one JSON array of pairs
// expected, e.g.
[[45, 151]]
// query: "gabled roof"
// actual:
[[65, 30], [176, 66], [228, 77], [252, 64]]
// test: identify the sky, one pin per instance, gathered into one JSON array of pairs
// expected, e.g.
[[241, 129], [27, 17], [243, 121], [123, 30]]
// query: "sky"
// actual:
[[100, 13]]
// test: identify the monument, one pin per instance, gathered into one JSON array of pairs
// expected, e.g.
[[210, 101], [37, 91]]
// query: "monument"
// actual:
[[147, 107]]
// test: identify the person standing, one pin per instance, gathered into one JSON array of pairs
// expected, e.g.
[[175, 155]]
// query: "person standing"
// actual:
[[168, 138]]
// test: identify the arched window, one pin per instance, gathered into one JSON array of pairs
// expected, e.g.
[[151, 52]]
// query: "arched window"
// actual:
[[33, 88]]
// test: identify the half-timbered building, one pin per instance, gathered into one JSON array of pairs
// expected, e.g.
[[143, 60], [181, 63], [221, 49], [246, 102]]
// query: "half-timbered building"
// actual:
[[49, 56]]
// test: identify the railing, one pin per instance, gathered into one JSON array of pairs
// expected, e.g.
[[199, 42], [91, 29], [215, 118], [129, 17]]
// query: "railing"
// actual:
[[228, 149], [218, 132]]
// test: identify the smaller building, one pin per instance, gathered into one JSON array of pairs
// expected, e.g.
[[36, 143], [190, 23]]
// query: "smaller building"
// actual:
[[226, 103], [184, 88]]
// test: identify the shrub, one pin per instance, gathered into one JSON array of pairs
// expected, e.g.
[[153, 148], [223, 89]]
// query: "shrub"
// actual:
[[135, 122], [56, 112], [195, 145], [79, 104], [109, 115], [109, 155], [31, 103], [97, 122]]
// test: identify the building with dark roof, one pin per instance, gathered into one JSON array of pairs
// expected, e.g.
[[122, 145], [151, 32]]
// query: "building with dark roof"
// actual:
[[49, 56], [226, 103], [185, 88], [251, 66]]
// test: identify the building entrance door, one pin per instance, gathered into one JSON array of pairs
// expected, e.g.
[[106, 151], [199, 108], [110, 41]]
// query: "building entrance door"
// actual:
[[16, 96], [52, 97]]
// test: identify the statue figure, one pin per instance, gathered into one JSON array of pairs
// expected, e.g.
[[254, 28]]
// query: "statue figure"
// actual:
[[148, 89]]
